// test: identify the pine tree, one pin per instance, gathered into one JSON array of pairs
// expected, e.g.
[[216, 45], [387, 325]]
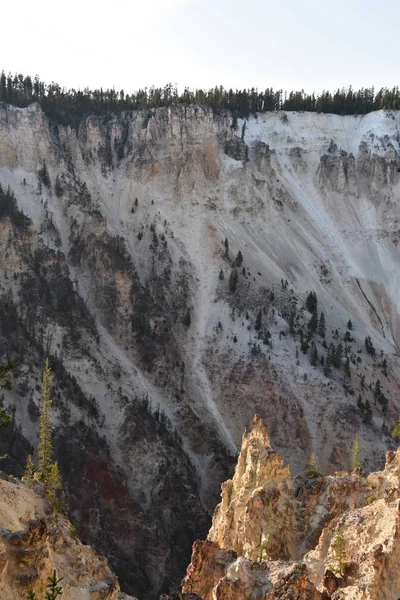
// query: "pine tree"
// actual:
[[349, 325], [5, 369], [187, 319], [5, 418], [384, 367], [226, 244], [48, 472], [312, 303], [313, 323], [304, 346], [239, 259], [233, 280], [377, 390], [53, 587], [368, 412], [44, 176], [369, 346], [29, 471], [55, 590], [337, 355], [45, 447], [53, 484], [221, 275], [321, 325], [314, 355], [258, 320], [327, 367], [303, 342], [395, 433], [234, 124], [347, 337], [347, 371], [355, 463], [340, 551], [292, 315], [313, 466]]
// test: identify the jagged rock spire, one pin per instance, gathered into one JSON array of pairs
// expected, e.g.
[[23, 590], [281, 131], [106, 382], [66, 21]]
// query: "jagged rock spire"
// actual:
[[279, 537], [245, 521]]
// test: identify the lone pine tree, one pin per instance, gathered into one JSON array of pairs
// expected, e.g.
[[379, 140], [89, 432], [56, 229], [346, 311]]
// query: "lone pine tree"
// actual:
[[29, 473], [233, 280], [340, 551], [314, 355], [321, 325], [226, 244], [54, 590], [355, 463], [239, 259], [258, 320], [312, 469], [48, 472], [312, 303], [45, 447]]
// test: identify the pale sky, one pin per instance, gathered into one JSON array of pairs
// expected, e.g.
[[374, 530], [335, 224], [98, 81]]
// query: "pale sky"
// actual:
[[289, 44]]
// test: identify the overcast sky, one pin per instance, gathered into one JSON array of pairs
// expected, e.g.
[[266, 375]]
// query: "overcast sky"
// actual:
[[289, 44]]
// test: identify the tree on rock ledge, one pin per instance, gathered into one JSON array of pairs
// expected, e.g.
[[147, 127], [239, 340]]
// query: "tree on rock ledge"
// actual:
[[45, 448], [48, 472]]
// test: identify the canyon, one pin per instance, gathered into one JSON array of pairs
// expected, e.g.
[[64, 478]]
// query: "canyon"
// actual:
[[119, 260]]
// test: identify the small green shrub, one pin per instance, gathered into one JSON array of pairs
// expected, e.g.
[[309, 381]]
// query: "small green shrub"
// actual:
[[53, 587]]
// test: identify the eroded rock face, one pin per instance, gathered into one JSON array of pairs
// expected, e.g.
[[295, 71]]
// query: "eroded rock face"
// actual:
[[34, 542], [311, 537], [259, 489], [117, 269]]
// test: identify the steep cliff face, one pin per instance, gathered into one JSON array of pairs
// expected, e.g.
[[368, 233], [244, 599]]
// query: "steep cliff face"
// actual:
[[309, 537], [163, 340], [34, 542]]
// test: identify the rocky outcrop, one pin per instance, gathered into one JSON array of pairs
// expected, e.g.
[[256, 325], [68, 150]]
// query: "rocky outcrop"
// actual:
[[309, 537], [35, 541], [255, 515]]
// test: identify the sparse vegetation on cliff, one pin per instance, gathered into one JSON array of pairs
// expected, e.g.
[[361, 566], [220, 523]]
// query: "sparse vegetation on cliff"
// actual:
[[47, 471], [54, 590]]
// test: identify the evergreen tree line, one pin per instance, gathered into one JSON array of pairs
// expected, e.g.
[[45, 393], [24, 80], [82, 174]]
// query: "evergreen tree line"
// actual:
[[68, 106]]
